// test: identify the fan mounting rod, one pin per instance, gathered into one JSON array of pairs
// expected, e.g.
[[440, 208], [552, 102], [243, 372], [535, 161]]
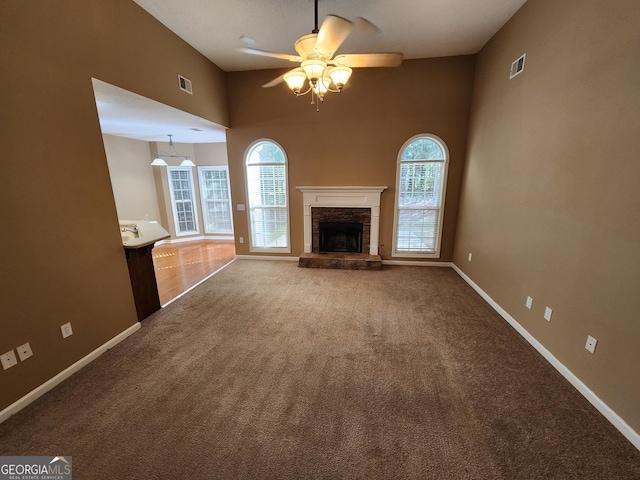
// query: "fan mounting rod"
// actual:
[[315, 30]]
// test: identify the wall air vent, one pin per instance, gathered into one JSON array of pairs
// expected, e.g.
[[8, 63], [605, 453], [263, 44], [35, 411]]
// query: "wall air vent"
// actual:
[[185, 84], [517, 66]]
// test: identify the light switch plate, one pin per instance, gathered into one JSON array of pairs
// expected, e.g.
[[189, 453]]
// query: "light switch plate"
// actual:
[[529, 303], [547, 314]]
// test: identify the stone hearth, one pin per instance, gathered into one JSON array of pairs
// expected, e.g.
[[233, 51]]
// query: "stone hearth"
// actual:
[[348, 261]]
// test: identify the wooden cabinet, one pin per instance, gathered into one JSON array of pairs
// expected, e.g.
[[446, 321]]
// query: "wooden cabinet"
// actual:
[[143, 280]]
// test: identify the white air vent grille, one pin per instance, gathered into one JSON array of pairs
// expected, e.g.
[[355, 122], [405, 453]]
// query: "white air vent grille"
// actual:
[[517, 66], [185, 84]]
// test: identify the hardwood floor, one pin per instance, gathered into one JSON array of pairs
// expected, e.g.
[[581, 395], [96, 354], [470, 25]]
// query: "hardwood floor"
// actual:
[[180, 266]]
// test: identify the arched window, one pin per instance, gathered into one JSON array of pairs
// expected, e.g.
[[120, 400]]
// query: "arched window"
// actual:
[[420, 192], [267, 195]]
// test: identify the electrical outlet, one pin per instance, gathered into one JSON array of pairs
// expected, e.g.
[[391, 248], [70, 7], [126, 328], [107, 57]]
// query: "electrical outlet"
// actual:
[[24, 351], [240, 206], [66, 330], [591, 344], [470, 256], [547, 314], [529, 303], [241, 239], [8, 359]]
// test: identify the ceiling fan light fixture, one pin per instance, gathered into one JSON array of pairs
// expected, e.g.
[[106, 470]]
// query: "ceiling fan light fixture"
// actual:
[[313, 69], [295, 80], [316, 51], [322, 86], [340, 76]]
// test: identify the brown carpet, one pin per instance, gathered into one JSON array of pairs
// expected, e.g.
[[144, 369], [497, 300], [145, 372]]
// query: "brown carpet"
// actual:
[[270, 371]]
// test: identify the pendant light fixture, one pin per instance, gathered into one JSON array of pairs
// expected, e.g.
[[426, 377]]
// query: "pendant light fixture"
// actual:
[[160, 162]]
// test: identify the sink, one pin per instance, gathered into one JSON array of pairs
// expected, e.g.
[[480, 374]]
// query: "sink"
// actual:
[[139, 233], [127, 236], [129, 231]]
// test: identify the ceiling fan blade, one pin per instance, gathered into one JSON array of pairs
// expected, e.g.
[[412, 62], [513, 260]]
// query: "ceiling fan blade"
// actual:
[[363, 60], [264, 53], [365, 26], [274, 82], [278, 80], [333, 31]]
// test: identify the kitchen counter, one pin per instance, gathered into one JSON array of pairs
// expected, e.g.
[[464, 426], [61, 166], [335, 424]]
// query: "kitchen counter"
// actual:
[[140, 233]]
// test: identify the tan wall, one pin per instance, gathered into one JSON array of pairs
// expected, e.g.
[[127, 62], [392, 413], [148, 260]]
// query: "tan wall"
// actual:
[[551, 203], [134, 188], [63, 260], [356, 136], [211, 154]]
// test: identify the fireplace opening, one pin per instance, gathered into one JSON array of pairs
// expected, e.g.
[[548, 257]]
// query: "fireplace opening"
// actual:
[[340, 237]]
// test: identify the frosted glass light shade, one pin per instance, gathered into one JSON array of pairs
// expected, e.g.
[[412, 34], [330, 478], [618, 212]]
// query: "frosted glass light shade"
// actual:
[[158, 162], [187, 163], [340, 76], [313, 69], [295, 79], [322, 86]]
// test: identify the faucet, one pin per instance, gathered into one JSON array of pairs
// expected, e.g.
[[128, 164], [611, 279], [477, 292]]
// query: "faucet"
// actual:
[[129, 229]]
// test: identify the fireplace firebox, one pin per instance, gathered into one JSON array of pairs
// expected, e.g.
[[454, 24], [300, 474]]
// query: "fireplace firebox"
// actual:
[[340, 237]]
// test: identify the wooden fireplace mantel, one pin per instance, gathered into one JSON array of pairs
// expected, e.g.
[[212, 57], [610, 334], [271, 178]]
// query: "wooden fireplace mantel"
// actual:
[[345, 197]]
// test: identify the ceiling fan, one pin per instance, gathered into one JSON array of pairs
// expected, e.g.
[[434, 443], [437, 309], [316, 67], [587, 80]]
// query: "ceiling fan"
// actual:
[[318, 65]]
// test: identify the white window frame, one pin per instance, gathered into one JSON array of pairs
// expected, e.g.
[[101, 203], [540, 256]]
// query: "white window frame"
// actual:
[[250, 207], [441, 199], [204, 201], [194, 202]]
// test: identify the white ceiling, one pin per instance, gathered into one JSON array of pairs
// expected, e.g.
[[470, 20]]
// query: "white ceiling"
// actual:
[[416, 28], [127, 114]]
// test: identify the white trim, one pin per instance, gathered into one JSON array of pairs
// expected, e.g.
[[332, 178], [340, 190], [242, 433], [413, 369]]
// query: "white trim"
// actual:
[[602, 407], [250, 208], [441, 200], [171, 241], [266, 257], [33, 395], [417, 263], [203, 197], [194, 201], [342, 197]]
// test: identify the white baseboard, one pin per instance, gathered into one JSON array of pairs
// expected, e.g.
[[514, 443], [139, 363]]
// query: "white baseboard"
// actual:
[[199, 238], [602, 407], [266, 257], [416, 263], [18, 405]]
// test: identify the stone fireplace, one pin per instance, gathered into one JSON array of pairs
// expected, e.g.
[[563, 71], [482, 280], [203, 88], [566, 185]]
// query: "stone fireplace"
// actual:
[[341, 227], [338, 229]]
